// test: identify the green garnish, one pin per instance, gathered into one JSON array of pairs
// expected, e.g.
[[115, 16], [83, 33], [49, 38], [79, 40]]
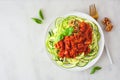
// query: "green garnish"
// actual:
[[66, 32], [51, 33], [60, 37], [94, 69], [41, 14], [37, 20]]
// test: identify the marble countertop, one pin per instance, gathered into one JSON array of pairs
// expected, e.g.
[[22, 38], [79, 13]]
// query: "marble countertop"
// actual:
[[22, 50]]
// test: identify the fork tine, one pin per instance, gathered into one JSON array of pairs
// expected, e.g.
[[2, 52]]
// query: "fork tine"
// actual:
[[90, 10], [95, 8]]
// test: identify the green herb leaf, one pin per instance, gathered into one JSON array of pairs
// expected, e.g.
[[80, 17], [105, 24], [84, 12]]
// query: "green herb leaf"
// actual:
[[60, 37], [37, 20], [94, 69], [41, 14], [68, 31], [51, 33]]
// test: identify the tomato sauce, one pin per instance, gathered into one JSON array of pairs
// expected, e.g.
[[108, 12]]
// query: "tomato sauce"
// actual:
[[77, 43]]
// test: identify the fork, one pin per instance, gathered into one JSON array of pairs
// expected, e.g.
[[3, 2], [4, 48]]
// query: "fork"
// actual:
[[93, 13]]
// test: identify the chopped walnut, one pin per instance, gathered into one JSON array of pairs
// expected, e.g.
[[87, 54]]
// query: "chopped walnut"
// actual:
[[106, 21], [71, 23], [108, 25], [75, 25]]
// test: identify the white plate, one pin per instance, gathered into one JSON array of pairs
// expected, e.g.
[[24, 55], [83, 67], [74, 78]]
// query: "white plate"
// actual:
[[101, 42]]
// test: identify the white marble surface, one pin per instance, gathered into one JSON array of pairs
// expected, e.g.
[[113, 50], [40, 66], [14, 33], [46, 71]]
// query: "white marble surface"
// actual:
[[22, 49]]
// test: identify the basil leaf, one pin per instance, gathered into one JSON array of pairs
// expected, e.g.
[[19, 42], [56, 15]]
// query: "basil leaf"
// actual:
[[68, 31], [60, 37], [41, 14], [51, 33], [37, 20], [94, 69]]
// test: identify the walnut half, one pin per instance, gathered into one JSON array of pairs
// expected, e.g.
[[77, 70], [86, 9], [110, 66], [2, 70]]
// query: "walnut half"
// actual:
[[108, 25]]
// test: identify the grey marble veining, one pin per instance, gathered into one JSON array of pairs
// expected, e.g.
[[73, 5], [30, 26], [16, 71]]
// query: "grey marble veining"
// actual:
[[22, 50]]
